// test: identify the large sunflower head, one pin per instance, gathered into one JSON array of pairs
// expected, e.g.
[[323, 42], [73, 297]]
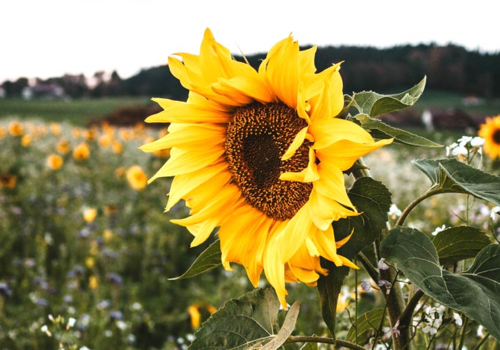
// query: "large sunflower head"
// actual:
[[260, 154], [490, 132]]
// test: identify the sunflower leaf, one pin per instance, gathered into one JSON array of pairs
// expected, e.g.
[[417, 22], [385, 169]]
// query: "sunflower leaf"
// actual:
[[373, 200], [385, 132], [452, 176], [248, 322], [476, 292], [370, 320], [458, 243], [209, 259], [374, 104]]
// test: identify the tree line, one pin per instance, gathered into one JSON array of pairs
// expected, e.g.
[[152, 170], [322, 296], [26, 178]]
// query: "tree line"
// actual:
[[451, 68]]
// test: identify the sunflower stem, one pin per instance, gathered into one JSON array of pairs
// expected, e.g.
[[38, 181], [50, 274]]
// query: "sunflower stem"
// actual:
[[417, 201], [372, 271], [324, 340]]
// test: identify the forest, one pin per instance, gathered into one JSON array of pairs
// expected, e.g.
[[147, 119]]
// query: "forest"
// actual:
[[449, 68]]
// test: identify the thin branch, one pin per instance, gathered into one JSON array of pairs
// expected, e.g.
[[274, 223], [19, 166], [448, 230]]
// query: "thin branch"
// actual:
[[372, 271], [415, 202], [324, 340], [482, 341], [407, 315]]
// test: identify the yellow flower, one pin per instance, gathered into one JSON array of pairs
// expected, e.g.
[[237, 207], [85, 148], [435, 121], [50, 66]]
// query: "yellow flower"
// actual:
[[54, 162], [117, 147], [90, 262], [90, 134], [105, 140], [89, 214], [195, 315], [8, 181], [119, 172], [126, 134], [62, 146], [162, 153], [107, 235], [2, 133], [261, 154], [136, 177], [490, 132], [56, 129], [93, 282], [76, 132], [16, 129], [26, 140], [42, 130], [81, 152]]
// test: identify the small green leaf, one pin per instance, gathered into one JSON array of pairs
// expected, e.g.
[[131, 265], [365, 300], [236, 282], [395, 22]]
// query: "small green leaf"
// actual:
[[385, 132], [365, 324], [286, 329], [209, 259], [373, 200], [459, 243], [243, 323], [476, 293], [373, 104], [452, 176]]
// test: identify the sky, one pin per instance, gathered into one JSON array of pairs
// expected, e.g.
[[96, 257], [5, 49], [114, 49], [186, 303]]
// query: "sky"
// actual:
[[53, 37]]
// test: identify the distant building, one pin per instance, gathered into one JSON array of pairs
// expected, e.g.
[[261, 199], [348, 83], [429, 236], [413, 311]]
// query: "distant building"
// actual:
[[2, 92], [42, 91]]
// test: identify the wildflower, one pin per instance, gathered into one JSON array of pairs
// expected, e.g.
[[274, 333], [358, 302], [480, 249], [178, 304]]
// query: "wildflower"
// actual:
[[458, 319], [266, 147], [81, 152], [366, 285], [490, 132], [119, 172], [62, 146], [16, 129], [107, 235], [494, 212], [438, 229], [90, 134], [105, 140], [56, 129], [137, 178], [5, 290], [195, 315], [382, 265], [3, 133], [117, 147], [45, 330], [71, 323], [8, 181], [26, 140], [394, 212], [93, 282], [54, 162], [90, 262], [89, 214]]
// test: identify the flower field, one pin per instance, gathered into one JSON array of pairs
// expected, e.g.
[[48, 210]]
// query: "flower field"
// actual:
[[87, 251]]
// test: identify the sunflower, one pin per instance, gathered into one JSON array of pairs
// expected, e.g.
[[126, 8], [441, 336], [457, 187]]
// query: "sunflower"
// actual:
[[490, 132], [261, 154], [54, 162], [136, 177]]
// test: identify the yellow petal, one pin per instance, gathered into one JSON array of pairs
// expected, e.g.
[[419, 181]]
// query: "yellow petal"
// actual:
[[297, 142], [182, 162], [294, 234], [183, 184], [328, 131], [344, 153], [183, 112], [309, 174]]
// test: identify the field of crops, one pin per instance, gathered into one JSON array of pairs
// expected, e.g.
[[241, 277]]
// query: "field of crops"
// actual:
[[87, 251]]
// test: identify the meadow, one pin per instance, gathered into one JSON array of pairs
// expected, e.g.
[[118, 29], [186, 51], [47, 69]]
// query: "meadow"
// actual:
[[87, 251]]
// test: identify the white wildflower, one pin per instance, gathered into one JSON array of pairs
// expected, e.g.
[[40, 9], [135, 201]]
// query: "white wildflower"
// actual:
[[494, 212], [394, 211], [477, 141], [458, 319], [438, 229]]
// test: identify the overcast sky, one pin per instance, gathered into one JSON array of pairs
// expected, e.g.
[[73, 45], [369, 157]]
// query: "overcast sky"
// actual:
[[43, 38]]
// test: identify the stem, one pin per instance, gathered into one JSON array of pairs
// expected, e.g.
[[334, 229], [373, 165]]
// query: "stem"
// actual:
[[482, 341], [416, 201], [368, 266], [462, 335], [324, 340], [407, 315]]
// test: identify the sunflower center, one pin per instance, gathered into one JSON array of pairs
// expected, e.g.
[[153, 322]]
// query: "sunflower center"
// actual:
[[257, 137], [496, 136]]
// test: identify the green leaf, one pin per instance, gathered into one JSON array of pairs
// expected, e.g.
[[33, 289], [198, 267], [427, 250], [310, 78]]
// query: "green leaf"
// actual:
[[459, 243], [209, 259], [476, 293], [373, 104], [365, 324], [373, 200], [248, 322], [286, 329], [452, 176], [385, 132], [241, 323]]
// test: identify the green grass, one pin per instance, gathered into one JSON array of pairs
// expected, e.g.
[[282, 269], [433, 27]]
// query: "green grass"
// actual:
[[445, 100], [76, 112]]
